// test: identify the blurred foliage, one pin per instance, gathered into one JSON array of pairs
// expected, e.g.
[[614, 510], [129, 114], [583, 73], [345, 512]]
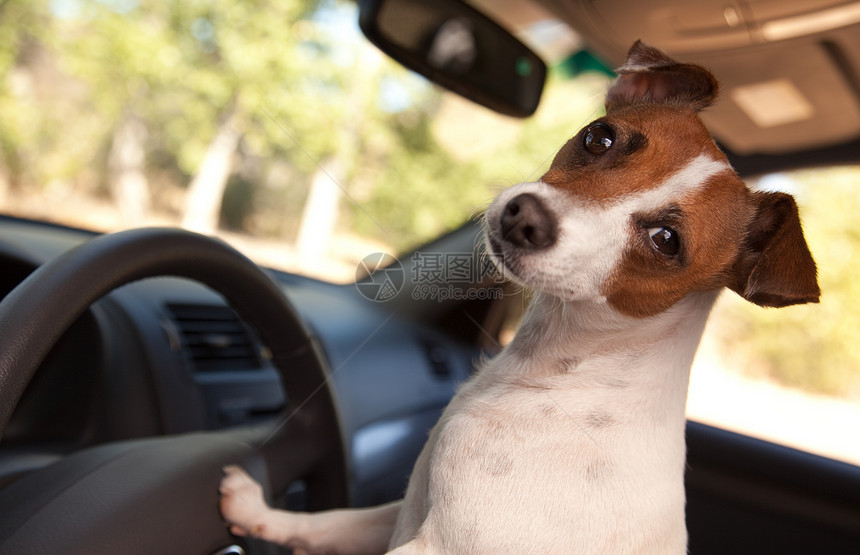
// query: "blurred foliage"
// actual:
[[461, 156], [300, 81], [812, 346], [31, 114]]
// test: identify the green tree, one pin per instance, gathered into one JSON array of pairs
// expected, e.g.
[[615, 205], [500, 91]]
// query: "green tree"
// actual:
[[33, 108], [277, 94], [195, 76], [448, 162]]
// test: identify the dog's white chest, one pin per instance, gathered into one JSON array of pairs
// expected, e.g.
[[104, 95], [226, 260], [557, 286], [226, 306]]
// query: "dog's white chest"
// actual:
[[511, 459]]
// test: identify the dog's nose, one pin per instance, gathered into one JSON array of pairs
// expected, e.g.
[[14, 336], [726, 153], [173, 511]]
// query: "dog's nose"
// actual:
[[526, 223]]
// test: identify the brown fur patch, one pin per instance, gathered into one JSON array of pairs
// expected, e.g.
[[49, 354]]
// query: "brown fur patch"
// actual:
[[672, 138], [598, 419], [597, 470], [711, 220], [712, 228], [566, 365]]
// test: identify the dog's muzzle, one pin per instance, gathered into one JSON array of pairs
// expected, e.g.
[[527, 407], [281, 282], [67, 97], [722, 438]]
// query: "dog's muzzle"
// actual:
[[526, 223]]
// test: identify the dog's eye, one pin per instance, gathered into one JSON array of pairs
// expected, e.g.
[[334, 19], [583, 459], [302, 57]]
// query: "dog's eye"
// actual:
[[598, 139], [665, 239]]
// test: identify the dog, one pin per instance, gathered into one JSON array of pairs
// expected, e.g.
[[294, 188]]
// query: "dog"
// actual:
[[571, 440]]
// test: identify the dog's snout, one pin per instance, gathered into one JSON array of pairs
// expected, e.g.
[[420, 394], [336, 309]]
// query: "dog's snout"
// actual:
[[526, 223]]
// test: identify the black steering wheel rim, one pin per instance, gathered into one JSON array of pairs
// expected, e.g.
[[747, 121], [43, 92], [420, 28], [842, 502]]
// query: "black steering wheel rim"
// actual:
[[36, 314]]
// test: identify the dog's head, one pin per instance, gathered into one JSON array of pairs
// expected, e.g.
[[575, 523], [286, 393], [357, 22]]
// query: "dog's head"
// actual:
[[641, 208]]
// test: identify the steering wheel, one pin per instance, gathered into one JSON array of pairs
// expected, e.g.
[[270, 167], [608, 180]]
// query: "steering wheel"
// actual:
[[160, 495]]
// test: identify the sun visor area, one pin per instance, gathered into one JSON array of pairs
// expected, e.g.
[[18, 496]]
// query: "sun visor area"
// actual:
[[774, 101], [788, 69]]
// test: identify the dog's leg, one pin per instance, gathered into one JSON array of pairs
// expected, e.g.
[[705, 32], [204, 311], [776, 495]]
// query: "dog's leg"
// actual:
[[341, 532]]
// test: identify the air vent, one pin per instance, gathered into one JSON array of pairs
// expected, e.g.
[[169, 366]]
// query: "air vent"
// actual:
[[214, 338]]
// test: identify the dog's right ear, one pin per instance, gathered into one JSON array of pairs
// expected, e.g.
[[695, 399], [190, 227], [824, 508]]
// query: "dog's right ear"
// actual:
[[776, 268], [651, 77]]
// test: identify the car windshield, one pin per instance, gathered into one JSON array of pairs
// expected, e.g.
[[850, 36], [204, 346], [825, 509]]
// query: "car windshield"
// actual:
[[276, 126], [273, 124]]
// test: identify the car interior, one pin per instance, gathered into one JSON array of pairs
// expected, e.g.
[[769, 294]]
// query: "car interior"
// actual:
[[135, 365]]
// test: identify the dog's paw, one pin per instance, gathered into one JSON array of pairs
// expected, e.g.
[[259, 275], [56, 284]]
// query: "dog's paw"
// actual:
[[242, 504]]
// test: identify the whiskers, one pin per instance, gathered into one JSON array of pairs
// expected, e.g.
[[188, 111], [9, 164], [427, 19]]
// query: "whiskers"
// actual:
[[479, 210]]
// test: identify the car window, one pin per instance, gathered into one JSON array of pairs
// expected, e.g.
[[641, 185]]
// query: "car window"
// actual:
[[276, 126], [792, 375]]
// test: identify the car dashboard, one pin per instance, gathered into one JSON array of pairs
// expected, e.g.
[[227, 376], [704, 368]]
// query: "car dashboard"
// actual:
[[167, 356]]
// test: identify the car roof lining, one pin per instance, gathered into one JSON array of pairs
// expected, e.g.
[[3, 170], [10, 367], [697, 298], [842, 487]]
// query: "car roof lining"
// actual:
[[735, 40]]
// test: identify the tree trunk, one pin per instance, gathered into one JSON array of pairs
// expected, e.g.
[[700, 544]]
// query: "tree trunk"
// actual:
[[319, 215], [128, 183], [206, 192], [4, 186]]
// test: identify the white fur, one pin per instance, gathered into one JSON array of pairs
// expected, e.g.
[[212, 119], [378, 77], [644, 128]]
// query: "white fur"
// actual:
[[592, 237], [633, 68], [687, 180], [589, 245], [569, 441], [522, 449]]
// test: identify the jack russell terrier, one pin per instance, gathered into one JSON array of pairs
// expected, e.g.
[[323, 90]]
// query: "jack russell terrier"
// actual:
[[571, 440]]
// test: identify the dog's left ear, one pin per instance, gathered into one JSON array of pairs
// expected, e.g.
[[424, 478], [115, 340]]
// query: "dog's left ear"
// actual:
[[651, 77], [776, 268]]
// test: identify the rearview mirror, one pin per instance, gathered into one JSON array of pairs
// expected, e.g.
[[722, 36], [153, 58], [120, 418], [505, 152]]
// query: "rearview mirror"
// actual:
[[458, 48]]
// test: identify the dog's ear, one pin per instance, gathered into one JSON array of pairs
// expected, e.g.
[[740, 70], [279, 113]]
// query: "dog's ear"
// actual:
[[776, 268], [650, 76]]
